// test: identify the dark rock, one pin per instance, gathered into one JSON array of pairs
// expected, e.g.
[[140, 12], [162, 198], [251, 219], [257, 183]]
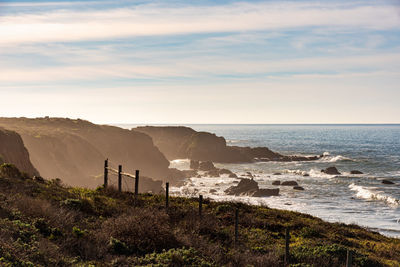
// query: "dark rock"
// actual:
[[298, 188], [356, 172], [206, 166], [331, 171], [277, 173], [235, 182], [289, 183], [212, 191], [387, 182], [244, 186], [248, 187], [306, 175], [213, 173], [232, 175], [276, 182], [194, 164], [265, 193]]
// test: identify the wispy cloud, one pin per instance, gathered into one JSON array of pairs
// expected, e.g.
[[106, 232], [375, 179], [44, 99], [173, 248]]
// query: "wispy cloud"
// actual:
[[156, 19]]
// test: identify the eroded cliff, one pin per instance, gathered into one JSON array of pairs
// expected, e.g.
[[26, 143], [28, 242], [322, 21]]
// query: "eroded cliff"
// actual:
[[12, 150], [75, 150]]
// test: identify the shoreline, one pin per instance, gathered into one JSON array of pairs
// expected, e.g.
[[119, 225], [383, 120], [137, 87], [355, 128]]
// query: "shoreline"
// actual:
[[140, 231]]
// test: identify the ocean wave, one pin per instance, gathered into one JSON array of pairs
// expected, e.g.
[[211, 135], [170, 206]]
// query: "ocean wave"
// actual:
[[329, 158], [371, 194]]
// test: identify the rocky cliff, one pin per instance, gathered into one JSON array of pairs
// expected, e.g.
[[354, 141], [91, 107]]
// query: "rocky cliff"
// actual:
[[184, 142], [12, 150], [75, 150]]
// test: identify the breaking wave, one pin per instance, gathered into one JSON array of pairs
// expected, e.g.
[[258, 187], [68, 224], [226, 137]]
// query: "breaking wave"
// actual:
[[371, 194]]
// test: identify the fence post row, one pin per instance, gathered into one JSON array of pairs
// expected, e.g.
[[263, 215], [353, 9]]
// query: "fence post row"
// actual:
[[136, 183], [287, 252], [166, 195], [200, 205], [119, 178], [106, 173], [349, 259]]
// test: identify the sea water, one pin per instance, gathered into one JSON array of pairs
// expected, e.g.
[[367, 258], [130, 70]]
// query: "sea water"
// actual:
[[358, 199]]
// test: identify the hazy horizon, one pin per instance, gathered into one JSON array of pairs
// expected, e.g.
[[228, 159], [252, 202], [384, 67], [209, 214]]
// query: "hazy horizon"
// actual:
[[178, 62]]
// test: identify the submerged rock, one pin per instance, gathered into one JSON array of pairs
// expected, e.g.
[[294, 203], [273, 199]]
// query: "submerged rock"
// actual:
[[298, 188], [264, 193], [331, 171], [356, 172], [276, 182], [289, 183]]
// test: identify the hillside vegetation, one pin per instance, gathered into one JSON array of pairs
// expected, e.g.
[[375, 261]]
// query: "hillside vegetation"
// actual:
[[43, 223]]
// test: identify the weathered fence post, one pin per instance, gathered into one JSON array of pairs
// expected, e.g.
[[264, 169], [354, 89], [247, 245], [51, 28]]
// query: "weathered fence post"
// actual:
[[349, 259], [287, 252], [105, 173], [200, 205], [136, 183], [166, 195], [119, 178], [236, 227]]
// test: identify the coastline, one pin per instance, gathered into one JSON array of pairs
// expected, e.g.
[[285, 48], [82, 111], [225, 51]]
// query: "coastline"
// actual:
[[107, 227]]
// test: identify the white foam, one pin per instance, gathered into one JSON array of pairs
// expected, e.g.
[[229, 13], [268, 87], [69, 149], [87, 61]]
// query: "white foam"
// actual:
[[372, 194], [329, 158], [180, 164]]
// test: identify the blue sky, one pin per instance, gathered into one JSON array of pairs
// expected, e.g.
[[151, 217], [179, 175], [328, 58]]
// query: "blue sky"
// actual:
[[202, 61]]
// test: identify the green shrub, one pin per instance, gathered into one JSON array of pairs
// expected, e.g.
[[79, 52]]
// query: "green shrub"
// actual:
[[118, 247], [175, 257], [9, 170]]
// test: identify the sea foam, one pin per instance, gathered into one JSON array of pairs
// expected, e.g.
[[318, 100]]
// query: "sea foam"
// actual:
[[372, 194]]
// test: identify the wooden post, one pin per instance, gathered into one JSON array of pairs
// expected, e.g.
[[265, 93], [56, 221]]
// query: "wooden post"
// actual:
[[105, 173], [200, 205], [136, 183], [119, 178], [349, 260], [236, 227], [287, 252], [166, 195]]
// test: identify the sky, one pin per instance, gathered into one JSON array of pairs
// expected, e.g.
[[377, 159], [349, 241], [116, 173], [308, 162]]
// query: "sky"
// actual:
[[216, 61]]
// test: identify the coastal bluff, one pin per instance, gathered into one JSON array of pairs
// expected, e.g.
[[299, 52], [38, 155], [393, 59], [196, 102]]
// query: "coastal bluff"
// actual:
[[177, 142], [12, 150], [75, 150]]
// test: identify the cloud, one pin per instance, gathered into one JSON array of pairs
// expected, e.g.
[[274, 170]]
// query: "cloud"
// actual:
[[199, 68], [155, 19]]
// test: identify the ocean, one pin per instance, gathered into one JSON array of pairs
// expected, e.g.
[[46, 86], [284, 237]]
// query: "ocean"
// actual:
[[353, 199]]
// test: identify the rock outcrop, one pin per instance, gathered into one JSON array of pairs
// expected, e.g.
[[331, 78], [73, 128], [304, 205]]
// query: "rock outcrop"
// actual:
[[12, 150], [75, 150], [356, 172], [184, 142], [248, 187], [331, 171]]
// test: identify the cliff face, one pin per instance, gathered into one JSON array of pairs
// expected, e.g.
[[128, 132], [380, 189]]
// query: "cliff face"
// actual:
[[184, 142], [12, 150], [75, 150]]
